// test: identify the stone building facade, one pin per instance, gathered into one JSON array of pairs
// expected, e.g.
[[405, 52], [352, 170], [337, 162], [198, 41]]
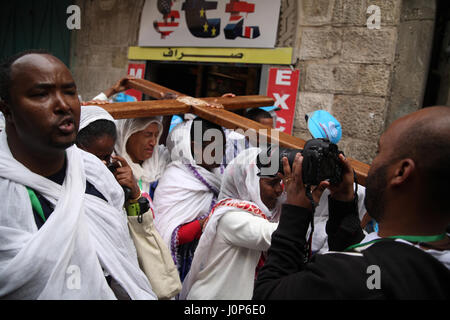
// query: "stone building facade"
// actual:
[[365, 77]]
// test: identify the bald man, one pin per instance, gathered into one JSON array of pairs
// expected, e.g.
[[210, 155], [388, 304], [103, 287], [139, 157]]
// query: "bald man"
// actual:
[[63, 234], [407, 193]]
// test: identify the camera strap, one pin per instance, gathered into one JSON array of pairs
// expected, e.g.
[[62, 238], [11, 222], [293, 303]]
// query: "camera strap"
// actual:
[[308, 245]]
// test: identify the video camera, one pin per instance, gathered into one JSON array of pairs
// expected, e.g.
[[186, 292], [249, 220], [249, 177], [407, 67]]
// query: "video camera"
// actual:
[[320, 161]]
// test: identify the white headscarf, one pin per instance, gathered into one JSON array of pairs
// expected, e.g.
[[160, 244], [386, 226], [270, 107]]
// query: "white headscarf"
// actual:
[[90, 114], [65, 257], [181, 197], [241, 184], [241, 180], [152, 168]]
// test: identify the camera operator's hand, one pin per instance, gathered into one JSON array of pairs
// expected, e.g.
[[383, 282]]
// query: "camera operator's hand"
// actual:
[[318, 190], [295, 189], [124, 175], [344, 190]]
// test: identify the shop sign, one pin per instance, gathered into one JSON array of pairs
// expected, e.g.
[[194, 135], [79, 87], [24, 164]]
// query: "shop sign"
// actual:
[[282, 86], [136, 70], [200, 23]]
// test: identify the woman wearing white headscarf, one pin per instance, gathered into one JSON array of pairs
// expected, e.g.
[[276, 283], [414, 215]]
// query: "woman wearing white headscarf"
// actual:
[[186, 193], [97, 134], [138, 143], [236, 234], [90, 114]]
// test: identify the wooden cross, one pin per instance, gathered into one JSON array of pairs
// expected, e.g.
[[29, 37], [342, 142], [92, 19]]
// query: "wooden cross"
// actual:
[[216, 110]]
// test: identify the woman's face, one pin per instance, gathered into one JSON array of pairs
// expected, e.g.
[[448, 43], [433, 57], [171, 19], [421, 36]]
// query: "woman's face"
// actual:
[[141, 144], [102, 147], [270, 190]]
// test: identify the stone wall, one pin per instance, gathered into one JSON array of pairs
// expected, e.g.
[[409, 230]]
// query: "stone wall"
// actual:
[[365, 77], [412, 60], [100, 49], [357, 73]]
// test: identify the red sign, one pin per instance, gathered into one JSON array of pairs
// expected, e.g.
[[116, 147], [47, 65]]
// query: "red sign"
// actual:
[[136, 70], [283, 88]]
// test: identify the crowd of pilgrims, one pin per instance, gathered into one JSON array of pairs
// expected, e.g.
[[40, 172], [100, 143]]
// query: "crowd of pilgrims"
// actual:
[[231, 232], [225, 211]]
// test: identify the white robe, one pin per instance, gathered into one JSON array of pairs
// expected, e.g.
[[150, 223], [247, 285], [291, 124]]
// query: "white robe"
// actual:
[[65, 257], [233, 239], [180, 197], [320, 237]]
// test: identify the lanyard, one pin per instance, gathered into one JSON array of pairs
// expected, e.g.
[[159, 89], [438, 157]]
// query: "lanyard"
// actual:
[[418, 239], [35, 203], [140, 184]]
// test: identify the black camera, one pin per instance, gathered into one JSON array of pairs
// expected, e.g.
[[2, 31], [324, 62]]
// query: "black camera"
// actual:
[[320, 161], [112, 166]]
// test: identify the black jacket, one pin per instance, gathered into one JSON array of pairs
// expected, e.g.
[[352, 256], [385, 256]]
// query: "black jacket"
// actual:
[[406, 272]]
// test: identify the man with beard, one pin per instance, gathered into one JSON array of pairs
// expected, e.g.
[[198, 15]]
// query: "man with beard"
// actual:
[[407, 194], [63, 233]]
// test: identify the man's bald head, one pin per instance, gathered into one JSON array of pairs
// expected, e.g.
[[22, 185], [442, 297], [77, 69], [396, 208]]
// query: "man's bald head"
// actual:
[[424, 137]]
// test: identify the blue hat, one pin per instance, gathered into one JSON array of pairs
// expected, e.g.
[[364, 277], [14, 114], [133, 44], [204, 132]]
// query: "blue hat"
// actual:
[[268, 109], [321, 124], [122, 97], [176, 119]]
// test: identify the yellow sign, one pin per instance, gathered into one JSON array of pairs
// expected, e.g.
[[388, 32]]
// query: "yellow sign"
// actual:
[[282, 56]]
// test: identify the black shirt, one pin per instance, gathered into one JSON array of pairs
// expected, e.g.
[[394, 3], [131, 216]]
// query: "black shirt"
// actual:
[[406, 272], [47, 207]]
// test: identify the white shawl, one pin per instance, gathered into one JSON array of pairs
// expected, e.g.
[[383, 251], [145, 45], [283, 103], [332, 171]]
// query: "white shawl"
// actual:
[[241, 185], [152, 168], [64, 258], [181, 197]]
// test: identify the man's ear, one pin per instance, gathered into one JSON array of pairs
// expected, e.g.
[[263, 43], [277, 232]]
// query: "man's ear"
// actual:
[[402, 171]]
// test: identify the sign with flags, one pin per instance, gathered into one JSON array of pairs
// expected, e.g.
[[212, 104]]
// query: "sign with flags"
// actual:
[[201, 23]]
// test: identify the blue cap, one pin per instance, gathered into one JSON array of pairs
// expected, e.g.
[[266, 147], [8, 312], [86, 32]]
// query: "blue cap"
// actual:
[[122, 97], [176, 119], [321, 124], [268, 109]]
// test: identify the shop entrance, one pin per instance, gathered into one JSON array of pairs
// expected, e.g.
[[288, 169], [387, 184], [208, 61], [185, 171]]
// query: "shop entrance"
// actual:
[[205, 79], [438, 85]]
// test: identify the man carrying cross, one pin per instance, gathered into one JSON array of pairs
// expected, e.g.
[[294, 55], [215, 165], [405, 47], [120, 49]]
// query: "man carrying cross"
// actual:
[[63, 234]]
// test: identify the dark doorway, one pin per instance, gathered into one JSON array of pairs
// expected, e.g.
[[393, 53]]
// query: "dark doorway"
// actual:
[[205, 80], [437, 91]]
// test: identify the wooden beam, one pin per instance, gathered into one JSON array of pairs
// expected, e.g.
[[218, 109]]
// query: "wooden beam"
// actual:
[[233, 121], [144, 109], [151, 108], [152, 89], [222, 117]]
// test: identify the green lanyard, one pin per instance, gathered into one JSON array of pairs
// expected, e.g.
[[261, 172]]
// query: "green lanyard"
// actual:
[[419, 239], [140, 184], [35, 203]]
